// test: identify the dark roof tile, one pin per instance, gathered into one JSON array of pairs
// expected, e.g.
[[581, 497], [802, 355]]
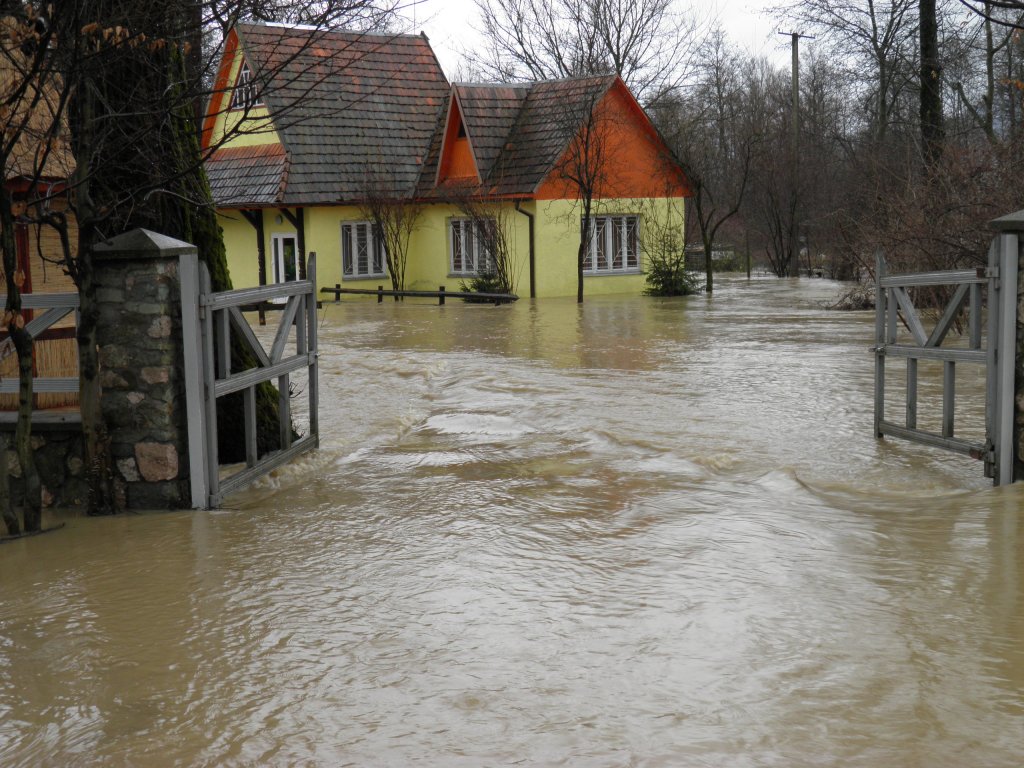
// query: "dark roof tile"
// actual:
[[347, 104], [517, 132], [247, 175]]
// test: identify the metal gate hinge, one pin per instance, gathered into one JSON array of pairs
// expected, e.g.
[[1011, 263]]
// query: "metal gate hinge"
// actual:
[[989, 272]]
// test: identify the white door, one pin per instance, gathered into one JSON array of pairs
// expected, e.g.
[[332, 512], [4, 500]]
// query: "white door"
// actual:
[[286, 258]]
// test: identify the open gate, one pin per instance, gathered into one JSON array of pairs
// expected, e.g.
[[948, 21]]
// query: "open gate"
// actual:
[[993, 288], [209, 323]]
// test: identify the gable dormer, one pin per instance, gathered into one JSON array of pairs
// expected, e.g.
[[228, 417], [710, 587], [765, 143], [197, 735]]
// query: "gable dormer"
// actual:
[[458, 163]]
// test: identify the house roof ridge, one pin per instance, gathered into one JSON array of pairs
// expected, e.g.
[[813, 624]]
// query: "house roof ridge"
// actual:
[[576, 78], [332, 30], [474, 84]]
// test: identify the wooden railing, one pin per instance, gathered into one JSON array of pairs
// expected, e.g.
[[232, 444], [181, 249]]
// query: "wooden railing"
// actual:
[[440, 294], [57, 306]]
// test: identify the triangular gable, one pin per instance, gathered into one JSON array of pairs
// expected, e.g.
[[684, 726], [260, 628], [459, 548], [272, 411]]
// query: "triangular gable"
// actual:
[[637, 163], [458, 162]]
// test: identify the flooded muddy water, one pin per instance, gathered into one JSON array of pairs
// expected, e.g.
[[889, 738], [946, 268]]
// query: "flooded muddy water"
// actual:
[[640, 532]]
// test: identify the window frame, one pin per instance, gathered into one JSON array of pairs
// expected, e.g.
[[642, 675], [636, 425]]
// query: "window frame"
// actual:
[[475, 242], [245, 93], [615, 244], [376, 253]]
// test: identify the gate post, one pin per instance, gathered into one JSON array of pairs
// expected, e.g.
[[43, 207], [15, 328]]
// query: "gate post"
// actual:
[[139, 334], [1010, 362], [195, 394]]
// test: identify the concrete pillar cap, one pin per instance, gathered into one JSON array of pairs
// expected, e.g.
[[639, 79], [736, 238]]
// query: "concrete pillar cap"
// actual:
[[142, 242]]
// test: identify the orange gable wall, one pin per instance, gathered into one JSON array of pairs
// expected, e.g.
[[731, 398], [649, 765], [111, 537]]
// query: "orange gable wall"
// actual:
[[457, 161], [221, 89], [637, 163]]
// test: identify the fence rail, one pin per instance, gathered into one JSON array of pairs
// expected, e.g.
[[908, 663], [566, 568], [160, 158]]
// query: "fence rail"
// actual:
[[440, 294], [57, 306]]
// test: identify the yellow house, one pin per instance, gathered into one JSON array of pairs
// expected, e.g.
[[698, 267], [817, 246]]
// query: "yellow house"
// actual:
[[323, 141]]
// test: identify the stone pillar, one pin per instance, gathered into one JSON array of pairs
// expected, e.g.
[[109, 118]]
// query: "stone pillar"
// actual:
[[141, 367]]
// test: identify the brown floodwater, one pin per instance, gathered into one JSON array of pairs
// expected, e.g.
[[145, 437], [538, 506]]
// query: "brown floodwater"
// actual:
[[639, 532]]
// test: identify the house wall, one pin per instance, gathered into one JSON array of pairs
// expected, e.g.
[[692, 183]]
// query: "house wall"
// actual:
[[556, 237], [255, 130]]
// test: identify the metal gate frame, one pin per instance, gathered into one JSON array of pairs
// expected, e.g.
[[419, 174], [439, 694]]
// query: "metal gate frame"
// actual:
[[997, 355], [208, 319]]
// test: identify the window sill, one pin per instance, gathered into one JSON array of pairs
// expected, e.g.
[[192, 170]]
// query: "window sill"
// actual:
[[358, 278], [612, 272]]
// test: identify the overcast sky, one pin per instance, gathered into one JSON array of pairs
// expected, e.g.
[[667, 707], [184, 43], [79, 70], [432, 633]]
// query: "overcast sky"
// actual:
[[450, 26]]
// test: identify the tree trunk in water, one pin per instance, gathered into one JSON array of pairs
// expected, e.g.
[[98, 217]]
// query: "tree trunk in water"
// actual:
[[709, 273], [33, 513], [586, 232], [23, 346], [94, 433], [10, 517]]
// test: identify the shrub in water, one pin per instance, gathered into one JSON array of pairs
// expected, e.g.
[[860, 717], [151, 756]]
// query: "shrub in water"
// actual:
[[486, 282], [666, 270]]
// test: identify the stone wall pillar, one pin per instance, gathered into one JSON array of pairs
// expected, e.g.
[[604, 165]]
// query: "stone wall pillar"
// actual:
[[141, 367]]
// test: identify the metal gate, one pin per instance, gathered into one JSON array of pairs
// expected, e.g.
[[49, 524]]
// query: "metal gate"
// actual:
[[209, 322], [993, 289]]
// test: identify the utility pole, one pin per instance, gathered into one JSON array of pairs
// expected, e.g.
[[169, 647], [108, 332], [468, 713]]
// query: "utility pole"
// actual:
[[795, 134]]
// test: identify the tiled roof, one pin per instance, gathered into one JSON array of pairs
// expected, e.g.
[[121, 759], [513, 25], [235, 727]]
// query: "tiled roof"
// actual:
[[346, 104], [518, 132], [489, 112], [553, 113], [247, 175]]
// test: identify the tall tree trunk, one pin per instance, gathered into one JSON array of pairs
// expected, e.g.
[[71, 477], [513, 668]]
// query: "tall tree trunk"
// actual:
[[586, 232], [98, 464], [23, 346], [932, 128]]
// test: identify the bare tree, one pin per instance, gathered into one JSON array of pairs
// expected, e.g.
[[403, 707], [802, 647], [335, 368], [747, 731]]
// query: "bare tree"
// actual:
[[650, 43], [395, 216], [583, 167], [30, 116], [876, 39], [490, 222], [712, 134]]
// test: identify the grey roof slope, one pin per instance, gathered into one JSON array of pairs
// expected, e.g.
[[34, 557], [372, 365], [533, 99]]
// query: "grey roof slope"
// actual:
[[247, 175], [346, 104], [538, 119], [489, 112]]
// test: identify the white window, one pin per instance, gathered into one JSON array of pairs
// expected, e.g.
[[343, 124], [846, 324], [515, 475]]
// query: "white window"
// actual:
[[245, 94], [470, 245], [286, 258], [362, 251], [614, 245]]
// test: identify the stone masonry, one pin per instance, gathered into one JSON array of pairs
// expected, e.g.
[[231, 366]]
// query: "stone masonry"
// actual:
[[141, 362]]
